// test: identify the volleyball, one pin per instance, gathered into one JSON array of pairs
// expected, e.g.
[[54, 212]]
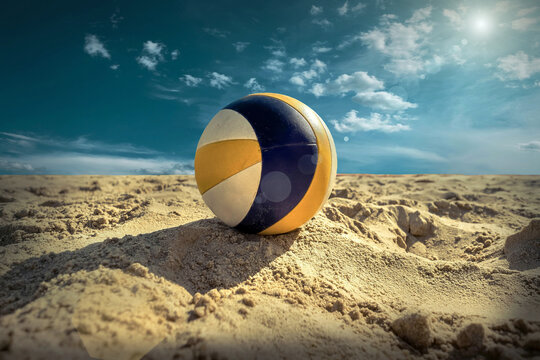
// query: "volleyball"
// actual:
[[265, 164]]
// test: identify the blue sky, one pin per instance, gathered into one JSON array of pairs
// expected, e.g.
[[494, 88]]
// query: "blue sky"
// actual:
[[126, 87]]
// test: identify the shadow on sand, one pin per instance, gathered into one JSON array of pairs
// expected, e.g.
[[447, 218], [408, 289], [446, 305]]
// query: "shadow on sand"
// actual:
[[198, 256]]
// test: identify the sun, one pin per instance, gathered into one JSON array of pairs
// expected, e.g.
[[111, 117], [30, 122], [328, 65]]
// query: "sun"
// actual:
[[481, 24]]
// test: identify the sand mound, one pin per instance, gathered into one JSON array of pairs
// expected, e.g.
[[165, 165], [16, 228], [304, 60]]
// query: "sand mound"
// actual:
[[523, 248], [392, 267]]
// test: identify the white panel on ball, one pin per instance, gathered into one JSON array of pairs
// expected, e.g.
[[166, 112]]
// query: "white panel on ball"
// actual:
[[226, 125], [231, 199]]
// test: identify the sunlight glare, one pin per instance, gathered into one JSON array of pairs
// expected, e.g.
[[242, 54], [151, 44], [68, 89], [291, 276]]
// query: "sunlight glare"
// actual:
[[481, 24]]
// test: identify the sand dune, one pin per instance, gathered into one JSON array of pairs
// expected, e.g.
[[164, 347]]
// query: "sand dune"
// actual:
[[121, 267]]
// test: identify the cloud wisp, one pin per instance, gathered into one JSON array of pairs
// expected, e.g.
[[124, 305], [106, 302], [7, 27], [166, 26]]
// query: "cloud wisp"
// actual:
[[65, 163], [82, 143], [273, 65], [405, 44], [24, 154], [217, 33], [316, 10], [302, 78], [253, 85], [367, 89], [529, 146], [347, 9], [190, 80], [240, 45], [220, 81], [94, 47], [518, 66], [375, 122], [151, 55]]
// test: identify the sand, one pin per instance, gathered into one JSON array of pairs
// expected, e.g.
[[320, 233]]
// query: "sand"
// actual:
[[125, 267]]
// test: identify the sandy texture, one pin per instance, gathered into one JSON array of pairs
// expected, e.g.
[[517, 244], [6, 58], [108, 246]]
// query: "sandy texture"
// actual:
[[121, 267]]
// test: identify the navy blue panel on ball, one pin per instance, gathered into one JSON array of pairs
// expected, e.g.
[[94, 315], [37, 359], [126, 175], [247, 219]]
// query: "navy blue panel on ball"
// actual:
[[286, 174], [275, 122]]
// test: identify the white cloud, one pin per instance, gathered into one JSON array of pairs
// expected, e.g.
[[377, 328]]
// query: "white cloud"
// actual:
[[190, 80], [420, 15], [404, 43], [398, 40], [349, 39], [316, 69], [309, 74], [503, 6], [368, 92], [82, 156], [216, 32], [240, 45], [358, 7], [321, 49], [174, 54], [297, 80], [344, 9], [318, 90], [524, 23], [169, 93], [374, 153], [153, 48], [432, 65], [220, 81], [529, 146], [412, 153], [382, 100], [115, 20], [318, 66], [15, 166], [253, 85], [13, 142], [385, 19], [277, 50], [94, 47], [517, 66], [411, 66], [376, 122], [456, 53], [148, 62], [274, 65], [80, 144], [115, 67], [374, 39], [527, 11], [166, 89], [325, 23], [315, 10], [76, 163], [151, 55], [454, 17], [358, 81], [298, 62]]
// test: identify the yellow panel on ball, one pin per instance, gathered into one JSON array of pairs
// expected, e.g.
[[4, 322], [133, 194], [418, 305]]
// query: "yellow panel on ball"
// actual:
[[220, 160]]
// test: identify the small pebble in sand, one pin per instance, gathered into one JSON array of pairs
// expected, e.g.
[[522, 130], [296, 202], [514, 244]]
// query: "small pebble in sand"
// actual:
[[248, 301], [414, 328], [471, 336]]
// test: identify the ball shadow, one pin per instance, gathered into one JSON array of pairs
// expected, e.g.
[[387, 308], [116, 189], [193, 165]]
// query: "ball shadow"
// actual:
[[198, 256]]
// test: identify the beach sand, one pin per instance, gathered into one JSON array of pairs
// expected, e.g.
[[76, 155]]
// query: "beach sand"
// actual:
[[125, 267]]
